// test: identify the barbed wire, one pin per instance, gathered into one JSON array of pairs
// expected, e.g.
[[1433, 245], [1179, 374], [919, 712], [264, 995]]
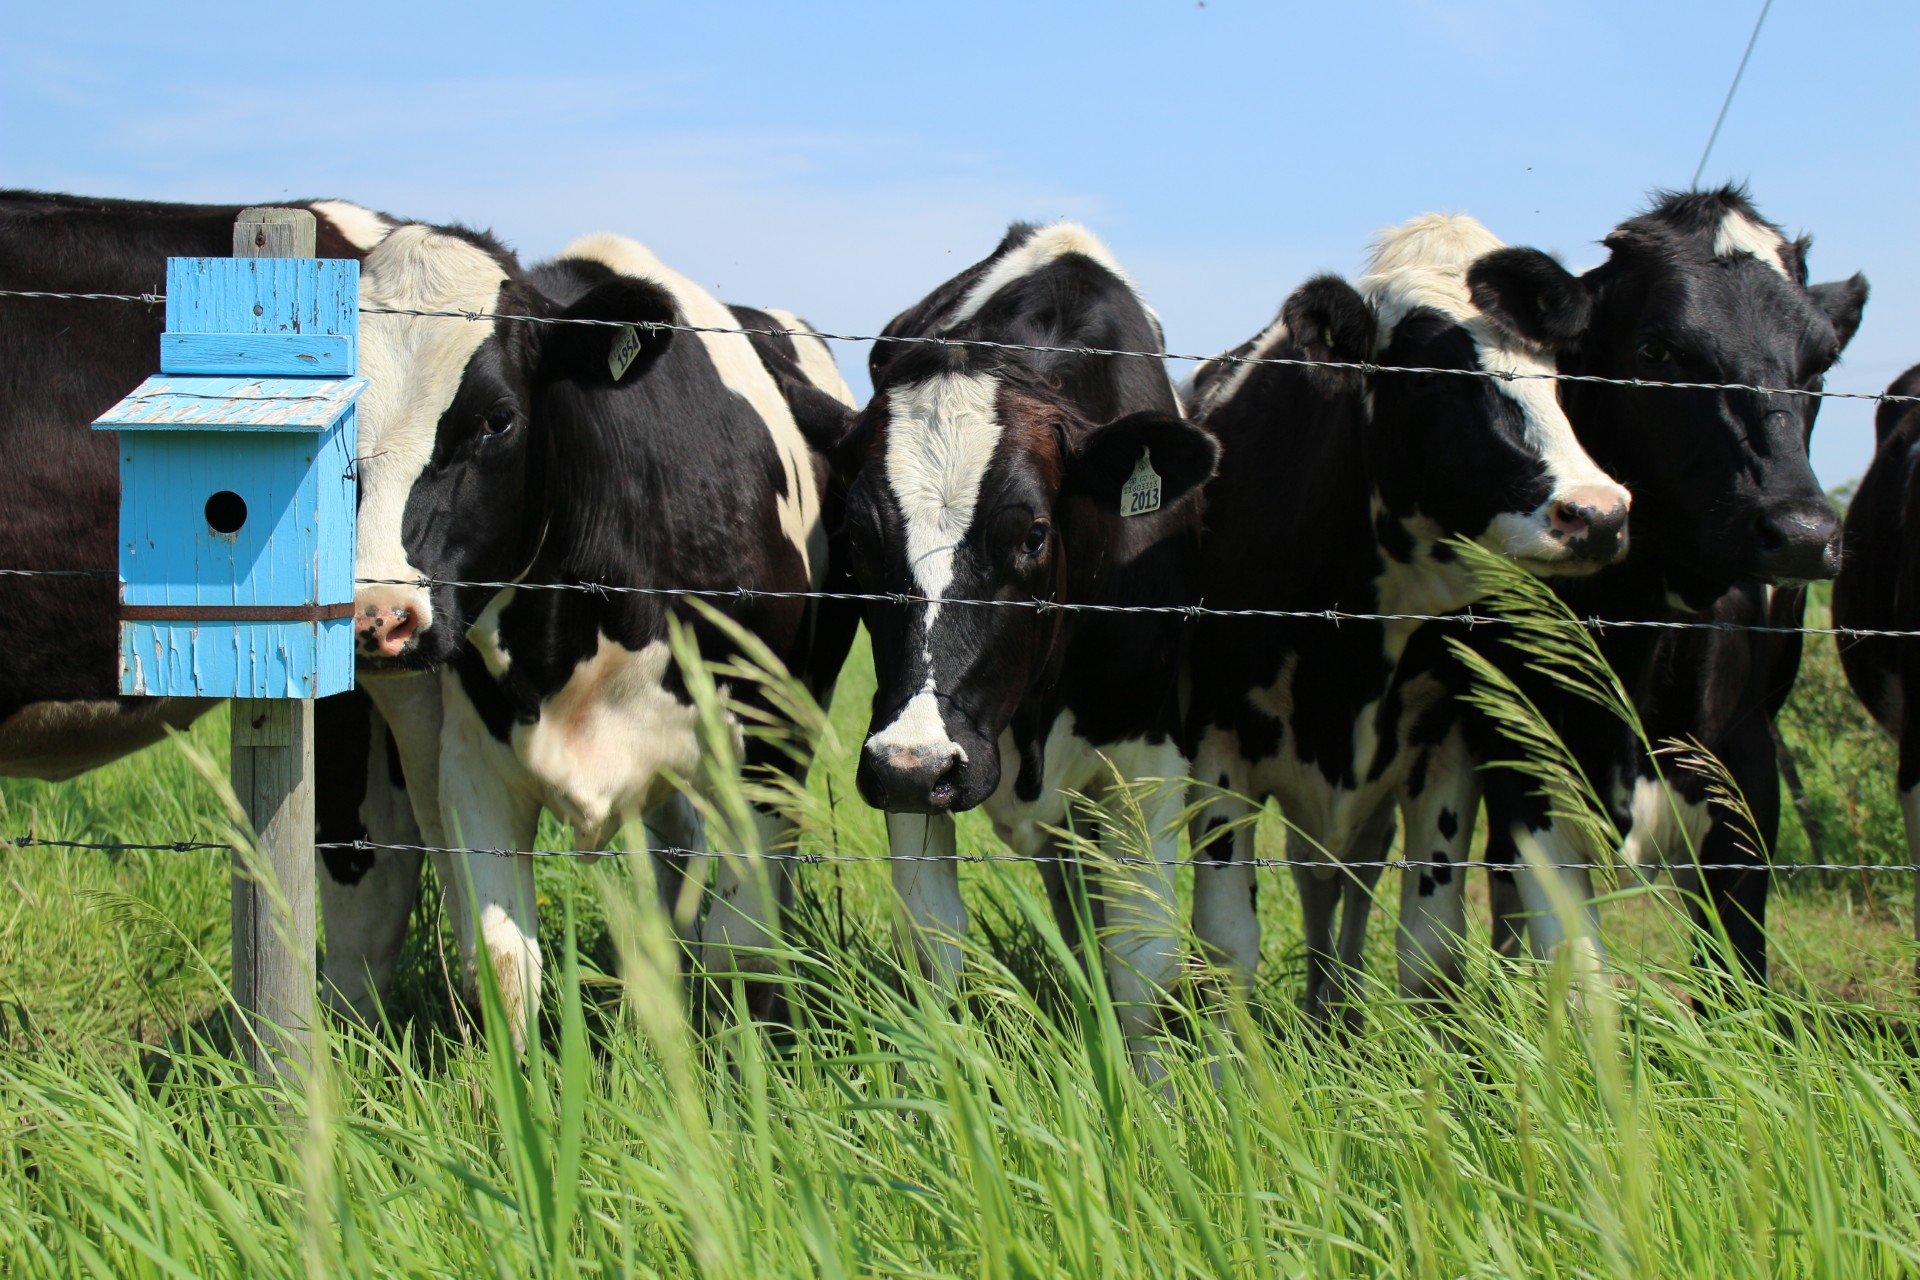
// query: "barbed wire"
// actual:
[[1167, 610], [115, 846], [83, 297], [1198, 861], [1192, 611], [1187, 611], [59, 573], [1226, 358]]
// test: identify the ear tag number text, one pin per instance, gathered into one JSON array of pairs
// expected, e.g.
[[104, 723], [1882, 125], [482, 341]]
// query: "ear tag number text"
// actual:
[[1141, 493], [625, 348]]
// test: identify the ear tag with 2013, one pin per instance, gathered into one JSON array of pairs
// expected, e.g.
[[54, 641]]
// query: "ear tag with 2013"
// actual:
[[1141, 493], [625, 348]]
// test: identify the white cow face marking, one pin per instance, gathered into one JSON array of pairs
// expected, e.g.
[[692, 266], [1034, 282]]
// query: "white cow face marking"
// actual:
[[415, 367], [1491, 459], [1737, 233], [958, 503]]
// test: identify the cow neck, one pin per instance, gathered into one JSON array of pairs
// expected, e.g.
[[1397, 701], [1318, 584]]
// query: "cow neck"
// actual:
[[1421, 582], [1635, 590]]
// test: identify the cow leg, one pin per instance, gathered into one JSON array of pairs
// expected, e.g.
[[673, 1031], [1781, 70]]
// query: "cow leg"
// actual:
[[1317, 879], [929, 917], [1909, 780], [750, 894], [1504, 907], [490, 898], [366, 901], [1738, 897], [410, 705], [1141, 939], [1356, 909], [1551, 874], [1433, 903], [366, 895], [1226, 917], [675, 832], [1063, 873]]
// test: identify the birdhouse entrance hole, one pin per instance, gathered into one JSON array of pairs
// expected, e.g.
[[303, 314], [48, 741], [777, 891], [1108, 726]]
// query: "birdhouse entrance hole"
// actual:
[[226, 512]]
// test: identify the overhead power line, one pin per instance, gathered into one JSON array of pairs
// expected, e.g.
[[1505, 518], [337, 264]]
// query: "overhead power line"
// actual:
[[1732, 89]]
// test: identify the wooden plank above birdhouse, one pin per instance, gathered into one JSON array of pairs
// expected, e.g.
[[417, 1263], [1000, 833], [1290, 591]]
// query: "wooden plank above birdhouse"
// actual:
[[304, 355], [263, 295], [169, 402]]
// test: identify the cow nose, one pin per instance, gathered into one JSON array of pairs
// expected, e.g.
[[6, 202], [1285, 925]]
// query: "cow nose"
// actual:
[[913, 779], [1591, 522], [384, 629], [1797, 541]]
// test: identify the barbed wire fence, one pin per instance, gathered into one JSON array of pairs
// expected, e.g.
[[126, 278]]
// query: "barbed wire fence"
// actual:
[[800, 858], [1191, 612], [1225, 358]]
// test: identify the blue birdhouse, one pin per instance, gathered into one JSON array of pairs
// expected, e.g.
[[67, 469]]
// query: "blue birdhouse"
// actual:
[[236, 484]]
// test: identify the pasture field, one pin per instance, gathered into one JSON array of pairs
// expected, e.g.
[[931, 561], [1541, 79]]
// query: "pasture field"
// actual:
[[889, 1133]]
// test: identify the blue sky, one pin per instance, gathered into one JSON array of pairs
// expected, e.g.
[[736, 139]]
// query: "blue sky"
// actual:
[[841, 159]]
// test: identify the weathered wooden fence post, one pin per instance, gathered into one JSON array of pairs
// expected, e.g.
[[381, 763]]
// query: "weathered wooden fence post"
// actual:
[[236, 563]]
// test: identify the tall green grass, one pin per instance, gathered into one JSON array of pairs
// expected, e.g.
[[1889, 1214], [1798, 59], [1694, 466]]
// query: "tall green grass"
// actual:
[[883, 1130], [888, 1133]]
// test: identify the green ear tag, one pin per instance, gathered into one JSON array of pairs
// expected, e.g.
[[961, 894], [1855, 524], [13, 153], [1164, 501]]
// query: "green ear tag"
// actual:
[[625, 348], [1141, 493]]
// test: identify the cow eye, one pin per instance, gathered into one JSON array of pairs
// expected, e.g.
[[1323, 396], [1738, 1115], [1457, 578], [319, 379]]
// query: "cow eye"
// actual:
[[1654, 351], [499, 420], [1036, 540]]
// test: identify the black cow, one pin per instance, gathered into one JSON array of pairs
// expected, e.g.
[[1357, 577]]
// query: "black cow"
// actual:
[[1698, 289], [1879, 589], [66, 362], [1337, 493], [566, 453], [1025, 477]]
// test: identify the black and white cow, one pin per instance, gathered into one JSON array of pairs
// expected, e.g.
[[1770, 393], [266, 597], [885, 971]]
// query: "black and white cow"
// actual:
[[1879, 589], [1337, 493], [1700, 288], [551, 453], [985, 474], [67, 361]]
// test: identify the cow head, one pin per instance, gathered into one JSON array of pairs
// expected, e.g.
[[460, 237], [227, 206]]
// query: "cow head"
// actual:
[[1491, 459], [1702, 289], [452, 457], [977, 480]]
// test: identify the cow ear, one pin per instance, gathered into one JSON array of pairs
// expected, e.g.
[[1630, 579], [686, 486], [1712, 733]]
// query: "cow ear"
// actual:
[[620, 348], [822, 417], [1330, 320], [1843, 301], [1183, 455], [1530, 295]]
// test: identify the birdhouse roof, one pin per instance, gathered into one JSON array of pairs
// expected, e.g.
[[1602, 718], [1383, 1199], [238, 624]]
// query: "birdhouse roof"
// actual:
[[171, 402]]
